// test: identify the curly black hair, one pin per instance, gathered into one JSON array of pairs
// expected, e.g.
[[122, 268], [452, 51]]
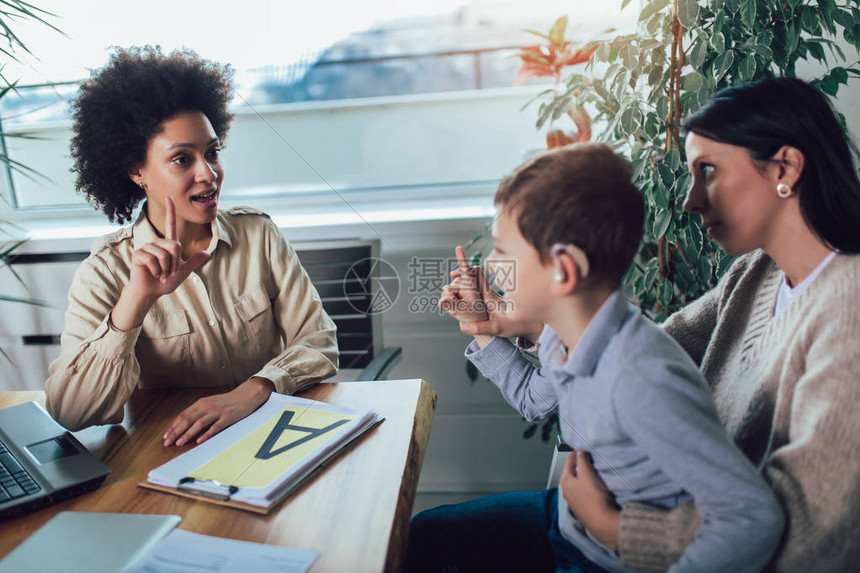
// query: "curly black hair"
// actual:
[[122, 106]]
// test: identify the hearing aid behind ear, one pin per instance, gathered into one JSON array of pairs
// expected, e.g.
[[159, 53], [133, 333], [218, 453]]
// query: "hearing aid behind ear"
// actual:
[[578, 255]]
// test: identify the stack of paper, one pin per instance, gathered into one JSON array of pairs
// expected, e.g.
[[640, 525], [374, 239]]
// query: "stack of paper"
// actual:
[[260, 459], [186, 552]]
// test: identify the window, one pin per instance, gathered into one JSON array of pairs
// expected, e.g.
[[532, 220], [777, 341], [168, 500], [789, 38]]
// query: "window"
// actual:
[[425, 94]]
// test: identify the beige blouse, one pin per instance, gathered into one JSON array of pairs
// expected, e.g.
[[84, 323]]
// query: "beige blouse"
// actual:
[[250, 310]]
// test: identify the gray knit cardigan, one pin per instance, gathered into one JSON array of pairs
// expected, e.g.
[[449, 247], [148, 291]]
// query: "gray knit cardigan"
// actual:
[[787, 389]]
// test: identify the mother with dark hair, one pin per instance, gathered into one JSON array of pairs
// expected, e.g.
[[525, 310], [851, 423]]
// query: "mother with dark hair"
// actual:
[[150, 127], [778, 340]]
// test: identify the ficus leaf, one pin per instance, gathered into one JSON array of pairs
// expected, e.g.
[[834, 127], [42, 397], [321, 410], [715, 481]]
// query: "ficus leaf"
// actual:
[[629, 56], [692, 82], [792, 38], [718, 42], [722, 64], [673, 159], [699, 53], [844, 18], [630, 119], [763, 51], [650, 275], [654, 23], [666, 175], [748, 11], [809, 20], [815, 50], [602, 53], [697, 238], [667, 289], [471, 372], [688, 13], [663, 106], [746, 69], [705, 268], [655, 76], [651, 8], [840, 74], [661, 223]]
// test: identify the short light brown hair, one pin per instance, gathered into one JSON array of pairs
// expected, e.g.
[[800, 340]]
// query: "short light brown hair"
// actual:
[[581, 195]]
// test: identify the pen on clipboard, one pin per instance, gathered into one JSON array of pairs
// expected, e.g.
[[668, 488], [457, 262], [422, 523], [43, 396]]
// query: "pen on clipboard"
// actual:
[[183, 485]]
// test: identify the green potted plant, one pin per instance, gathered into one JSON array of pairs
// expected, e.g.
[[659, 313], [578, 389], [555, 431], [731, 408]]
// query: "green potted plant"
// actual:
[[638, 87], [682, 53], [11, 236]]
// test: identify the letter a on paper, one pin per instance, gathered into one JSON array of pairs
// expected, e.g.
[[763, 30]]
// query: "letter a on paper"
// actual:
[[272, 449]]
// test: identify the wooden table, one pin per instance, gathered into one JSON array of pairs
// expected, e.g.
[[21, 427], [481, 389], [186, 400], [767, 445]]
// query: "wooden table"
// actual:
[[355, 512]]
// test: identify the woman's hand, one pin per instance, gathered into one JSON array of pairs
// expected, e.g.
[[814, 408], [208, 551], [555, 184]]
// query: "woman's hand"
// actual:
[[208, 416], [157, 269], [590, 500]]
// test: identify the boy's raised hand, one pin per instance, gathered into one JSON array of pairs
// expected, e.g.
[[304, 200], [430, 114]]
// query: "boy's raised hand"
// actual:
[[463, 298], [478, 308], [497, 322]]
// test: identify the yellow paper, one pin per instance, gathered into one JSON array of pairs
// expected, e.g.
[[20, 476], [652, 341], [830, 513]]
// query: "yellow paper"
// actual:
[[248, 463]]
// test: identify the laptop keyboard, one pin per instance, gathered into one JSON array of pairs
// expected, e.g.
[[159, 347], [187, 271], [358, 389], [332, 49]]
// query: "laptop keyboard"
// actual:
[[15, 481]]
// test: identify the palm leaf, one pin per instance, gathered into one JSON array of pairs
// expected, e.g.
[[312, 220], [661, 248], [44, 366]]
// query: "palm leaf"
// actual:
[[24, 300]]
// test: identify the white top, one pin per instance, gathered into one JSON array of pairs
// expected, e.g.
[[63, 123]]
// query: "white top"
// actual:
[[788, 294]]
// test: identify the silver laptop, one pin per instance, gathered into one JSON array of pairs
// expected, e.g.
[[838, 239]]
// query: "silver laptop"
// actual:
[[41, 462]]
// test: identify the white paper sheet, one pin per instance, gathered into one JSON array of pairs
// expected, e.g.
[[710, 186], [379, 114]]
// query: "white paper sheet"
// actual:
[[186, 552]]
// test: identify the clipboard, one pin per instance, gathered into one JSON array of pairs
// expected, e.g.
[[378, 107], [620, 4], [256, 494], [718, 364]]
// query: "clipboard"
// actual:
[[223, 498], [266, 422]]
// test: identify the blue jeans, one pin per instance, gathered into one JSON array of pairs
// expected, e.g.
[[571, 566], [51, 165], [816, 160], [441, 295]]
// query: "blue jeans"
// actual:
[[516, 532]]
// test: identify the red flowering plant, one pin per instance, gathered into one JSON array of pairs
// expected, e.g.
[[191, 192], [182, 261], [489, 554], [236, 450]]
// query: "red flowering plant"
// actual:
[[549, 59]]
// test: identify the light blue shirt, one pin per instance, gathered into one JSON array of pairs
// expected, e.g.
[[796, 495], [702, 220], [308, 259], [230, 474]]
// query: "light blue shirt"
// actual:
[[631, 397]]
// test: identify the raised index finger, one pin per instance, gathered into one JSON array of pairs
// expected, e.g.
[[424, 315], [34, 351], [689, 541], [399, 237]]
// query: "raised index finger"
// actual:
[[461, 260], [170, 221]]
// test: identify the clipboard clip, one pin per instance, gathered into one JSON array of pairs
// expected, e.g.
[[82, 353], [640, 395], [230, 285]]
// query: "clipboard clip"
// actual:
[[207, 488]]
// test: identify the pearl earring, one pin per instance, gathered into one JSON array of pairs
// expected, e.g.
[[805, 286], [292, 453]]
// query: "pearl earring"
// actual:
[[141, 185], [558, 276], [783, 191]]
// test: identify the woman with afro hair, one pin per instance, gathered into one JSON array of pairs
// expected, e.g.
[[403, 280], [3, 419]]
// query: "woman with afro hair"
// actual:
[[187, 295]]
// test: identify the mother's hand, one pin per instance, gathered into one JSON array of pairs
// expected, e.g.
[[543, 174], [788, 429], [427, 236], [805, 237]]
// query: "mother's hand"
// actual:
[[208, 416], [590, 500]]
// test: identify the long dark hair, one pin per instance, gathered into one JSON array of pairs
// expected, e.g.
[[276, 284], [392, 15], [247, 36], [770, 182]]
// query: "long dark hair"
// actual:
[[763, 116]]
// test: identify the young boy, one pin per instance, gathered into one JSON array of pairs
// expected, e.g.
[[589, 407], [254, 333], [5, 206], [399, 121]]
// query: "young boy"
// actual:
[[569, 223]]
